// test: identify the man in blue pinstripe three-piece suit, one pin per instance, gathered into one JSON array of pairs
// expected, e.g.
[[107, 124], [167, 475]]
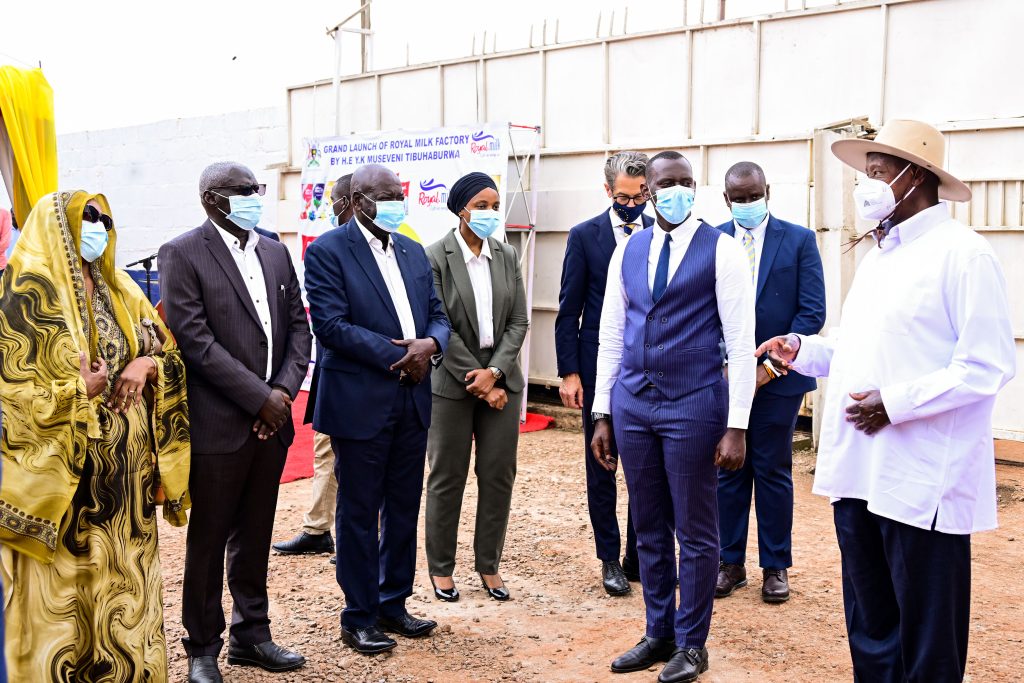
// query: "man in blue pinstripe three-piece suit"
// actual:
[[673, 292]]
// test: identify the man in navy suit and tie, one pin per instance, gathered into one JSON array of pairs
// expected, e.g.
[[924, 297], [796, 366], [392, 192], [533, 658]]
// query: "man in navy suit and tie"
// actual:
[[374, 311], [584, 273], [790, 295]]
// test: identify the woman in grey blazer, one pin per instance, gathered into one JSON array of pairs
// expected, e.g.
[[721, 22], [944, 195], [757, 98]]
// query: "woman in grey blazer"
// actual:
[[478, 389]]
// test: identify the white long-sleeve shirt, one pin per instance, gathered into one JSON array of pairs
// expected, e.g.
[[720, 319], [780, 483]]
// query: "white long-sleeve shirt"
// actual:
[[927, 323], [735, 295], [251, 269]]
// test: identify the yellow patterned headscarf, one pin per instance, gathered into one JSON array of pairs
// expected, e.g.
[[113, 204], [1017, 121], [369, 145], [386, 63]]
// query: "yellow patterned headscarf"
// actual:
[[48, 417]]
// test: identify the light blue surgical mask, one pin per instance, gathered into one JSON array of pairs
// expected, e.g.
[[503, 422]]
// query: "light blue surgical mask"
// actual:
[[751, 214], [246, 211], [334, 221], [94, 241], [674, 203], [484, 222], [390, 215]]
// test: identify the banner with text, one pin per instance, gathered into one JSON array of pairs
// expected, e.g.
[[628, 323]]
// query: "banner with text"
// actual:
[[427, 162]]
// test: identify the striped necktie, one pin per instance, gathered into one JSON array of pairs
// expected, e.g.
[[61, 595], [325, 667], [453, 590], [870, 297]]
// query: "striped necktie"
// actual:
[[628, 228], [748, 246]]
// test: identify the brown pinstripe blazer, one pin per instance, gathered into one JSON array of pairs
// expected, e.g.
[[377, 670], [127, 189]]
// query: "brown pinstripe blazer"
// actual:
[[211, 315]]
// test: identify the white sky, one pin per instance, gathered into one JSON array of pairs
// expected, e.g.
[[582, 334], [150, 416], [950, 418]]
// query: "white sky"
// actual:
[[116, 63]]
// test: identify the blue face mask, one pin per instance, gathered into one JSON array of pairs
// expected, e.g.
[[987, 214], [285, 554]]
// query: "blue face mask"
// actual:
[[674, 203], [628, 214], [94, 241], [750, 215], [334, 221], [484, 222], [245, 211], [390, 215]]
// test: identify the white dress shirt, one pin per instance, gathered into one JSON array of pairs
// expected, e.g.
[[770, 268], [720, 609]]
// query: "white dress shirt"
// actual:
[[387, 261], [735, 296], [251, 269], [927, 323], [479, 268], [619, 225], [757, 233]]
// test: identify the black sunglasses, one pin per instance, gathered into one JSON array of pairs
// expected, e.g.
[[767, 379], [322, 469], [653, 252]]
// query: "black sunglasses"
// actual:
[[245, 190], [92, 215]]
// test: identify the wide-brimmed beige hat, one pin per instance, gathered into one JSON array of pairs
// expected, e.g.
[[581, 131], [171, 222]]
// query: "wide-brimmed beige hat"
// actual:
[[913, 141]]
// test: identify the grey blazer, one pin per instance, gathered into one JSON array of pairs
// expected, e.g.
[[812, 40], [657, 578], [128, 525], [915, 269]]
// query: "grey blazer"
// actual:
[[213, 319], [454, 288]]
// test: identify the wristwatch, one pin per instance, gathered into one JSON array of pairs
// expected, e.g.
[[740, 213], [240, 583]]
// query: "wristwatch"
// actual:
[[498, 374], [594, 417]]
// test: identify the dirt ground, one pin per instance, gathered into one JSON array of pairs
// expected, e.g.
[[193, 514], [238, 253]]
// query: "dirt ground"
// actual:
[[560, 625]]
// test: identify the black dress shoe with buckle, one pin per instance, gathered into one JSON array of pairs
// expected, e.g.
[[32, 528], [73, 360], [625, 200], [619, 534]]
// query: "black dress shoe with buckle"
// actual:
[[615, 581], [306, 544], [775, 585], [685, 665], [203, 670], [631, 568], [268, 656], [645, 654], [407, 625], [367, 641], [730, 577]]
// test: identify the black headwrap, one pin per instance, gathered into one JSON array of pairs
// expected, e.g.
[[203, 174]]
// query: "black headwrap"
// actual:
[[467, 187]]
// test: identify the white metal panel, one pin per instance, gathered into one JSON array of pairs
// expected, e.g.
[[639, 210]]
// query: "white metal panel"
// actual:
[[410, 99], [312, 115], [358, 105], [574, 84], [815, 70], [951, 60], [575, 171], [634, 66], [723, 81], [986, 154], [513, 89], [460, 94]]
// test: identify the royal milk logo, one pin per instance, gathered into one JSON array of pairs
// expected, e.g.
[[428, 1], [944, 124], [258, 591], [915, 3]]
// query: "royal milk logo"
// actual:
[[433, 195], [484, 143]]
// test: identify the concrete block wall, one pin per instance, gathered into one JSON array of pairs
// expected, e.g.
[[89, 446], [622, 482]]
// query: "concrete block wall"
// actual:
[[150, 173]]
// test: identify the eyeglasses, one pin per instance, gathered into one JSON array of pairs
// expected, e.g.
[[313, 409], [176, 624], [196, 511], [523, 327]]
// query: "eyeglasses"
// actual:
[[245, 190], [626, 199], [92, 215]]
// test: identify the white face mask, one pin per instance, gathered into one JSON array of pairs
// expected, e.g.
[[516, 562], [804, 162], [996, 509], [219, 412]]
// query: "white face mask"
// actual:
[[874, 198]]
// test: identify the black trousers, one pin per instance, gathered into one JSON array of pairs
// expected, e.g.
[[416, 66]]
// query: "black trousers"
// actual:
[[907, 593], [234, 497]]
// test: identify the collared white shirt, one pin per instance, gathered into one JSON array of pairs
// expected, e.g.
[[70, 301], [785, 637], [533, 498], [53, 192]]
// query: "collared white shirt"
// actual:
[[251, 269], [757, 232], [927, 323], [619, 225], [387, 261], [479, 268], [735, 296]]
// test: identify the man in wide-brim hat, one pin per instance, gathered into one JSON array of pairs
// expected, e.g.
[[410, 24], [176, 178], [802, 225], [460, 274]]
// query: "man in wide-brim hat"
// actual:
[[906, 449]]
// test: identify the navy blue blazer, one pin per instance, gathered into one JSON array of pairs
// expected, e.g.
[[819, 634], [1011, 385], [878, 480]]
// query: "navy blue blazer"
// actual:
[[790, 292], [584, 274], [354, 320]]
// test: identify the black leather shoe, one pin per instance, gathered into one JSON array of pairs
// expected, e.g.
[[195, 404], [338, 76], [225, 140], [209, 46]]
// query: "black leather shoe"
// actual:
[[615, 581], [730, 577], [268, 656], [648, 652], [631, 568], [306, 544], [445, 594], [500, 594], [407, 625], [685, 665], [367, 641], [775, 585], [203, 670]]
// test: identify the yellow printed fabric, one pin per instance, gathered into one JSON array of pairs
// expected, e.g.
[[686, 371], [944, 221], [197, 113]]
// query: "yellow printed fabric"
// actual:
[[748, 246], [81, 572], [26, 106]]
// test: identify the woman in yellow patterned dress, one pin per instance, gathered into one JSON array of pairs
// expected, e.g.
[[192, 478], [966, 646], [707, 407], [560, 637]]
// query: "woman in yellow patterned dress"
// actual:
[[95, 436]]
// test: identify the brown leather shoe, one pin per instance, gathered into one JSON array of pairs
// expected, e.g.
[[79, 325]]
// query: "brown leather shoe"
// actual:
[[775, 586], [730, 577]]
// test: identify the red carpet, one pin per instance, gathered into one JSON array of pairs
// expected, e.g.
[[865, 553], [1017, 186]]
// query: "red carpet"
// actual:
[[300, 456]]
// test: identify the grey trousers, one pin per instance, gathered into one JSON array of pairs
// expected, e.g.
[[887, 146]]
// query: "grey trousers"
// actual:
[[453, 426]]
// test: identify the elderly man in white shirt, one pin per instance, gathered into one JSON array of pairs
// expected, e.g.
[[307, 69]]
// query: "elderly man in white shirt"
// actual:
[[906, 448]]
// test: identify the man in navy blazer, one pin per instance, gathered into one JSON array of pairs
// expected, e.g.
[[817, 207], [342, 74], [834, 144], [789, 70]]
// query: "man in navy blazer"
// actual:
[[374, 311], [584, 272], [790, 290]]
